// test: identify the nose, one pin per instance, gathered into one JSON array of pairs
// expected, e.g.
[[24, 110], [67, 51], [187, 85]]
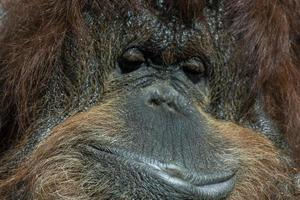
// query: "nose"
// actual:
[[165, 97]]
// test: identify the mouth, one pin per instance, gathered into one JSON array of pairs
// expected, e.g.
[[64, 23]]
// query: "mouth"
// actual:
[[208, 186], [214, 185]]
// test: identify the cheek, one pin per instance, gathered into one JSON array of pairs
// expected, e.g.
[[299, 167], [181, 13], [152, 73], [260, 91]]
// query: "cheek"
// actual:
[[63, 167], [263, 169], [246, 141]]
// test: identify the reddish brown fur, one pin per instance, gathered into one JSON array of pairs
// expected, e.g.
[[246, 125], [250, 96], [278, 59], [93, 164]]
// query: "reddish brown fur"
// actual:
[[48, 176], [30, 54], [270, 27], [30, 50]]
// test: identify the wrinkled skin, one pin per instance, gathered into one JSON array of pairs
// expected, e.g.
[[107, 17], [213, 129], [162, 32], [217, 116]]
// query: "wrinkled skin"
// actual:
[[149, 106]]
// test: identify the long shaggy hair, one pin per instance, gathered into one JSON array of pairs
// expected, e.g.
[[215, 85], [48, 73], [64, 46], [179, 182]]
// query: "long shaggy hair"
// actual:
[[60, 168], [32, 35], [33, 32]]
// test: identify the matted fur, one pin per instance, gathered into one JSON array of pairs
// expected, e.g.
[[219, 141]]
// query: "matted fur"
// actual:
[[47, 175], [269, 29], [270, 33], [31, 40]]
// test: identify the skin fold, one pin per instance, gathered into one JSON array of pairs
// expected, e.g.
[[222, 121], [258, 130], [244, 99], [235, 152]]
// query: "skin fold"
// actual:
[[145, 99]]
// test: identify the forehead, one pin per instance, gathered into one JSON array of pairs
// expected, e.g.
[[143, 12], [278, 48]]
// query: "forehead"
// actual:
[[162, 27], [173, 28], [177, 14], [187, 10]]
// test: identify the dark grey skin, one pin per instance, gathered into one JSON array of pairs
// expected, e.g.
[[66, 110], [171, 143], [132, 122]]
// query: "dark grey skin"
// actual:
[[173, 153]]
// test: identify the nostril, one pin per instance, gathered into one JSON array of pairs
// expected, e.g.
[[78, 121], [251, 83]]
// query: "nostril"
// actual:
[[154, 102], [165, 99], [172, 105], [161, 102]]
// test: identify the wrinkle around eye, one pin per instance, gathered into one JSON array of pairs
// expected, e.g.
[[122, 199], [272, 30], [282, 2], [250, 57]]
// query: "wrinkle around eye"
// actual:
[[194, 69], [131, 60], [133, 55]]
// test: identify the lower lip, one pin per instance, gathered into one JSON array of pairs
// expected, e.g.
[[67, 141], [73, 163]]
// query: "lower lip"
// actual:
[[211, 190]]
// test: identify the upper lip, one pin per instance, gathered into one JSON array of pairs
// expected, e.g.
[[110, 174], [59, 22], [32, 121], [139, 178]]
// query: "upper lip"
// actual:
[[205, 185]]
